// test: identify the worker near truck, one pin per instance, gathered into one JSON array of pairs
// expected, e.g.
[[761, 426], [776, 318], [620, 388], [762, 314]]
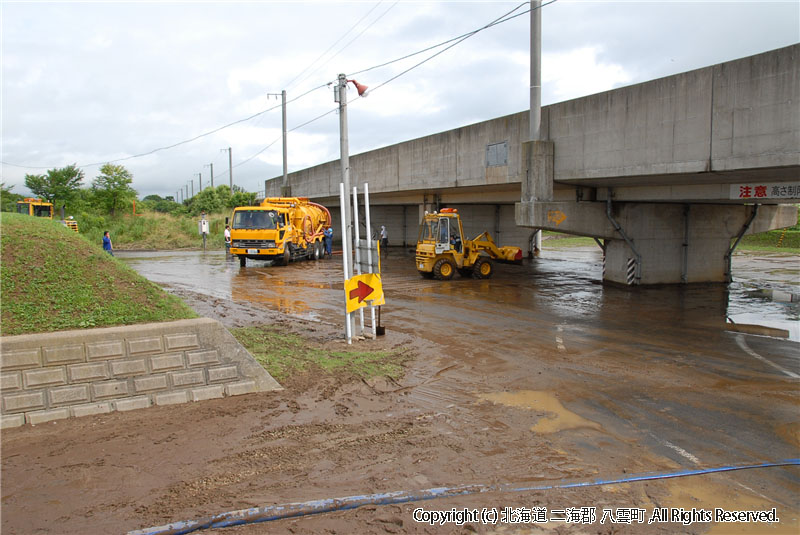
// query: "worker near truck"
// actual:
[[227, 239], [329, 241]]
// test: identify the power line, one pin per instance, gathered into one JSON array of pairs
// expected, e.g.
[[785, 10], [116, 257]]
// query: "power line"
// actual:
[[289, 85], [499, 20], [468, 34], [504, 18], [350, 42]]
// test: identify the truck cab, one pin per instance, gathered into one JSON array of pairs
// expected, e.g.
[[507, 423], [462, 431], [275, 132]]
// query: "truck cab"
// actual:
[[258, 233]]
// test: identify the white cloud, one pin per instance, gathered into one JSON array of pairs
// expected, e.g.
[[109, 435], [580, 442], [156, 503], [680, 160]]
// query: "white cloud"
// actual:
[[578, 72]]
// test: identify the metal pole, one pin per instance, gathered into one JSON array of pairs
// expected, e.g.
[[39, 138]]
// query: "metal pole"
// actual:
[[358, 252], [211, 165], [536, 70], [286, 191], [200, 182], [230, 166], [369, 253], [191, 183], [345, 264], [345, 161]]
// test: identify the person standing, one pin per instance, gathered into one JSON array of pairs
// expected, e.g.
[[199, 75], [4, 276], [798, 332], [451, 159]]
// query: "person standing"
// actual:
[[384, 240], [329, 241], [227, 239], [107, 245]]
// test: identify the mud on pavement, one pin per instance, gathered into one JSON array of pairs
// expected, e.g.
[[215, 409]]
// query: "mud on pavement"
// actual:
[[463, 414]]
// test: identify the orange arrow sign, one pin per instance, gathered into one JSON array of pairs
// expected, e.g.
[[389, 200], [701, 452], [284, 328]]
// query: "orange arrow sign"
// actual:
[[361, 292]]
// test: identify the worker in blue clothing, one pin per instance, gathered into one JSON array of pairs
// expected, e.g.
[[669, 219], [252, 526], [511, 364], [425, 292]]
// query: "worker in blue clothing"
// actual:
[[107, 246], [329, 241]]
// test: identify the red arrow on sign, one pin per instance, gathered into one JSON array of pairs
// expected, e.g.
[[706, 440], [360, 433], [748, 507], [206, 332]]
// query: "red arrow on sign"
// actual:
[[361, 292]]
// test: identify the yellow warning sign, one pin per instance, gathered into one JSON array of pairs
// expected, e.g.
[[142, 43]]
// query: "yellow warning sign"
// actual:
[[363, 290]]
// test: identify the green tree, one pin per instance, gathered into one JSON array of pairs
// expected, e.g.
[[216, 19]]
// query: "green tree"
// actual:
[[112, 187], [242, 198], [8, 199], [58, 185]]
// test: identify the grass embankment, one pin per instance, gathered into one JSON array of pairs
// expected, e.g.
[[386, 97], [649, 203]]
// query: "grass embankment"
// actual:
[[284, 354], [153, 231], [53, 279]]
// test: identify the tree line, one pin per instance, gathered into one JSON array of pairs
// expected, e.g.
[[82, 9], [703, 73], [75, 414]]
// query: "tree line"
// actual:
[[111, 193]]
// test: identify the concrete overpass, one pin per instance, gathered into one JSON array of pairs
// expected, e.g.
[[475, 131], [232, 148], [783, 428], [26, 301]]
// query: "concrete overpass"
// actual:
[[664, 173]]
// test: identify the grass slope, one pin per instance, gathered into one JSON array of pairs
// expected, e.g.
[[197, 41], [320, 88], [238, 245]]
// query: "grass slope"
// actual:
[[53, 279], [285, 354]]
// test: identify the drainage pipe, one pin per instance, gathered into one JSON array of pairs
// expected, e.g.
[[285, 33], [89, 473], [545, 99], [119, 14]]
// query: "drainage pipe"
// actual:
[[618, 228], [729, 254], [291, 510]]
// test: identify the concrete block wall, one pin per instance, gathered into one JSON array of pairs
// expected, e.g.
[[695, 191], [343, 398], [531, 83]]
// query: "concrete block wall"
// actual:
[[67, 374]]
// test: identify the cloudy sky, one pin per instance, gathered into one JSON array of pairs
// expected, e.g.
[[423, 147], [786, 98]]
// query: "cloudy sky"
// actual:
[[93, 82]]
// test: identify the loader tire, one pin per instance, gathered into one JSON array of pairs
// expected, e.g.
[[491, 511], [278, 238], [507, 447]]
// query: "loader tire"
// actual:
[[444, 269], [482, 268]]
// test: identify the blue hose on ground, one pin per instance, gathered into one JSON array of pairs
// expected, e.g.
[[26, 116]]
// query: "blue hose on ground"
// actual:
[[277, 512]]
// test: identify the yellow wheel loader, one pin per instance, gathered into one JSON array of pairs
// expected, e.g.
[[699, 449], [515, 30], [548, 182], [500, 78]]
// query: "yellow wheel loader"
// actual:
[[441, 250]]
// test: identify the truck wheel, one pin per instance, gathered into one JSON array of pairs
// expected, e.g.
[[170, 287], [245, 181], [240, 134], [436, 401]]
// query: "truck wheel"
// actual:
[[242, 260], [283, 260], [317, 250], [482, 268], [444, 269]]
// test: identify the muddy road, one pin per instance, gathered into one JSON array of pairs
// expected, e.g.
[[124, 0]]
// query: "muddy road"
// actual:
[[536, 376]]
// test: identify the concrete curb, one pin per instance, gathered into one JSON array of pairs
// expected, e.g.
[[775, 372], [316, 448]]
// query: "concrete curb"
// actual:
[[68, 374]]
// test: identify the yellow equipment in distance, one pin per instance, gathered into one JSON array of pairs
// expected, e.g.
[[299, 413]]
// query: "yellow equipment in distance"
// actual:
[[35, 207], [441, 249]]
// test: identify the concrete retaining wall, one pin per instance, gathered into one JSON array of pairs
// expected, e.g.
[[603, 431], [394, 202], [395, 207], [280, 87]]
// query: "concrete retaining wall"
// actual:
[[67, 374]]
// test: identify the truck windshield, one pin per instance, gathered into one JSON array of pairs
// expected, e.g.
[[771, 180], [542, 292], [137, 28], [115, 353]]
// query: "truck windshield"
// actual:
[[260, 219]]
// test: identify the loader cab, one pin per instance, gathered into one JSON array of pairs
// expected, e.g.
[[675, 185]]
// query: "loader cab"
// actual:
[[443, 231]]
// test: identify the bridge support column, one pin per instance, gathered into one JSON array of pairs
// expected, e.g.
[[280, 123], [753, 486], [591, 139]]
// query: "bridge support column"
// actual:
[[674, 244]]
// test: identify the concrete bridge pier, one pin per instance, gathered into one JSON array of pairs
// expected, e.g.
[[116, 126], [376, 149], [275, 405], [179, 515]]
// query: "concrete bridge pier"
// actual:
[[658, 243]]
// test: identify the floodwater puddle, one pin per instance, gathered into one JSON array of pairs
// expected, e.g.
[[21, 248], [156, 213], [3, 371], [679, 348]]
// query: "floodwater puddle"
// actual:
[[556, 417]]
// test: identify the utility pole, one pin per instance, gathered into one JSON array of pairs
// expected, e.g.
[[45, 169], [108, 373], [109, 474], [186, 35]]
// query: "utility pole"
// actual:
[[345, 161], [230, 165], [536, 70], [286, 191], [199, 182], [211, 165], [535, 119]]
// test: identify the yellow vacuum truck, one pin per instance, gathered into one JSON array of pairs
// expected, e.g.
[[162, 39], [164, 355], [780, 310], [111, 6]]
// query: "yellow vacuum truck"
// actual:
[[281, 229]]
